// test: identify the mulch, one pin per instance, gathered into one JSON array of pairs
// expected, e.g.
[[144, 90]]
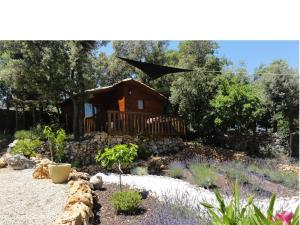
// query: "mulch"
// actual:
[[106, 215]]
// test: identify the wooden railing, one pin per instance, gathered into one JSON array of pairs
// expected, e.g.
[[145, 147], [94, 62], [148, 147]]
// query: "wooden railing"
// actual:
[[144, 123], [133, 123]]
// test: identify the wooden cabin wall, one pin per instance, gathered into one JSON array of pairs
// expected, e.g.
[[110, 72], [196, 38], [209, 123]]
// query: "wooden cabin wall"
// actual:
[[152, 103]]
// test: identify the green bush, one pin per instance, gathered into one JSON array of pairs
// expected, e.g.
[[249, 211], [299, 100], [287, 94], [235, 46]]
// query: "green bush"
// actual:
[[127, 201], [24, 134], [203, 175], [140, 170], [27, 147], [176, 172]]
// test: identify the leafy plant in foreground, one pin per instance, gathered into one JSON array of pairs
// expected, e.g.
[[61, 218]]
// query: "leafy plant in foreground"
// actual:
[[119, 156], [229, 214]]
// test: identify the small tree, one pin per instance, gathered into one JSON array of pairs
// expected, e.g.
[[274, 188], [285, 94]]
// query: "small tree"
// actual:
[[119, 156], [55, 142]]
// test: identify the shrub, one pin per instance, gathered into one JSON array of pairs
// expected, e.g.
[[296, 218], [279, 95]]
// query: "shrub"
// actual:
[[176, 169], [24, 134], [27, 147], [203, 175], [126, 201], [139, 170], [234, 171]]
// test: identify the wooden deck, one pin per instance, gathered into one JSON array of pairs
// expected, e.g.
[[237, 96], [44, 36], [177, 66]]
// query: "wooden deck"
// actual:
[[134, 123]]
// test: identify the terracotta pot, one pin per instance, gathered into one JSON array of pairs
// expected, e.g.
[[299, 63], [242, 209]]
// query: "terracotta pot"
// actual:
[[59, 172]]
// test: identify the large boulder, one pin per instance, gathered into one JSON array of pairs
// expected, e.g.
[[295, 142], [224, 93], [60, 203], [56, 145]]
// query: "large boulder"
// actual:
[[20, 162], [97, 182]]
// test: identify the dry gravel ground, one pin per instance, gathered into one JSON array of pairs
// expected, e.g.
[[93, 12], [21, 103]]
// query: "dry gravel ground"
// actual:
[[28, 201]]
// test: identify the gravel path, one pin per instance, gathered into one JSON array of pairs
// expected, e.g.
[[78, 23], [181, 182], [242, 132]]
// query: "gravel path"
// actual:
[[28, 201], [163, 187]]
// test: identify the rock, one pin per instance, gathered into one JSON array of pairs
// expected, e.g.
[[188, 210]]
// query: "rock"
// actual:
[[97, 182], [2, 162], [80, 186], [74, 175], [20, 162], [41, 170], [11, 145]]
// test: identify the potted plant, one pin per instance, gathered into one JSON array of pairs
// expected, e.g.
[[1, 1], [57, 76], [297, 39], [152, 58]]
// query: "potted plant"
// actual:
[[59, 172]]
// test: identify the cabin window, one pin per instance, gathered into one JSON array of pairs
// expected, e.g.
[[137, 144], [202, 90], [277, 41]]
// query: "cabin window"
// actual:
[[140, 104], [88, 109]]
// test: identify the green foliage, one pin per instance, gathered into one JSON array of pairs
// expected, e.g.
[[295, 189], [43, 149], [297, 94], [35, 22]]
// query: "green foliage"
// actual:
[[24, 134], [126, 201], [27, 147], [119, 154], [234, 213], [281, 87], [236, 104], [231, 213], [204, 175], [55, 141], [139, 170]]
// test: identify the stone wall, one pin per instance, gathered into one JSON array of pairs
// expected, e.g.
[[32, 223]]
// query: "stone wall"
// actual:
[[85, 151]]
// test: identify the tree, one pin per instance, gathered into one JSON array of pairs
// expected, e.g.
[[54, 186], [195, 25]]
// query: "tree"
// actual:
[[119, 156], [48, 72], [282, 90], [236, 104], [191, 92]]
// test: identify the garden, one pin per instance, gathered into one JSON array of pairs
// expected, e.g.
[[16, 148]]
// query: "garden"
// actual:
[[147, 135], [131, 185]]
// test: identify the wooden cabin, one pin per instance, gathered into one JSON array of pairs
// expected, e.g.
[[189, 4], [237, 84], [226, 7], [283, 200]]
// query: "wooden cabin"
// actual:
[[128, 107]]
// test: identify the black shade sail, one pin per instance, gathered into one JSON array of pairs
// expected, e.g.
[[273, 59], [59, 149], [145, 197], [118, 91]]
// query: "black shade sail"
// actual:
[[154, 71]]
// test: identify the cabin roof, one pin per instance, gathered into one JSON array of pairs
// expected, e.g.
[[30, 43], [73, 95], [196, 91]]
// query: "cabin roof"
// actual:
[[127, 80]]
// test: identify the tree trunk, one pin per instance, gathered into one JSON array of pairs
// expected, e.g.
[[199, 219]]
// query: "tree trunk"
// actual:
[[120, 173], [75, 119]]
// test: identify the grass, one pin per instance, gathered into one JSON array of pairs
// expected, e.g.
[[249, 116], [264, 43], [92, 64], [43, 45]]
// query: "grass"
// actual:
[[288, 179], [234, 171], [176, 169], [176, 172], [203, 175]]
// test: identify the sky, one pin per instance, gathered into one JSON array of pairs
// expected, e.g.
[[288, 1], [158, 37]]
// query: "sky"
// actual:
[[252, 53]]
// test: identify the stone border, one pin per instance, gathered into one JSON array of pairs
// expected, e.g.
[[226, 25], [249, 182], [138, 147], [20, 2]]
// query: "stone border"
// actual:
[[78, 209]]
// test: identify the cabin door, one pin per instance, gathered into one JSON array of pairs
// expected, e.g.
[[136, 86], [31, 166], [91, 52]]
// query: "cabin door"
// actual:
[[100, 118]]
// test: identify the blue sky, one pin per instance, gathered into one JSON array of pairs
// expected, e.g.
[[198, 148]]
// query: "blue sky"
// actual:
[[252, 53]]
